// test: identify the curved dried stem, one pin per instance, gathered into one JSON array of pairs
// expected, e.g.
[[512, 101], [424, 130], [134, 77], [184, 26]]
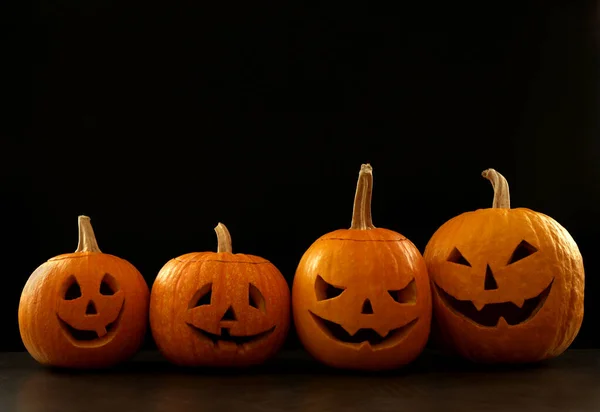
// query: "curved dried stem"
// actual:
[[223, 239], [361, 214], [501, 190], [87, 239]]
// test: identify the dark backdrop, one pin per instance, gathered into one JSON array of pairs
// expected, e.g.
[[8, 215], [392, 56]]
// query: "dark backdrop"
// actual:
[[159, 119]]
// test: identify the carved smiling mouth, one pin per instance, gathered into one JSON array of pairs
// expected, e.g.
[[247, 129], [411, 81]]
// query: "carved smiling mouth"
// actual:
[[372, 337], [90, 337], [225, 336], [491, 313]]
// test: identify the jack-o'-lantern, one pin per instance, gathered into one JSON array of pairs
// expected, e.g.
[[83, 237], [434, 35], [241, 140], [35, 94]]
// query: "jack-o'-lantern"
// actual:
[[86, 309], [507, 283], [361, 296], [219, 309]]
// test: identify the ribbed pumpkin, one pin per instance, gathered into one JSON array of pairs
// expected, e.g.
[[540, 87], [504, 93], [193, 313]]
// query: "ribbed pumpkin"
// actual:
[[508, 284], [361, 296], [219, 309], [85, 309]]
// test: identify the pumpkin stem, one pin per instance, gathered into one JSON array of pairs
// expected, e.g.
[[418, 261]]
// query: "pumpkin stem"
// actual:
[[223, 239], [361, 214], [87, 239], [500, 186]]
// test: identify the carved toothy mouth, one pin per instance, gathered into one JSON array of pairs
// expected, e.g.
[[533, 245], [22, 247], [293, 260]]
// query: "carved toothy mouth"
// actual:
[[363, 335], [225, 336], [82, 337], [490, 314]]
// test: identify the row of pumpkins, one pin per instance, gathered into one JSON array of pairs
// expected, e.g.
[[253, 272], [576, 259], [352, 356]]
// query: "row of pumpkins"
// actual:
[[502, 284]]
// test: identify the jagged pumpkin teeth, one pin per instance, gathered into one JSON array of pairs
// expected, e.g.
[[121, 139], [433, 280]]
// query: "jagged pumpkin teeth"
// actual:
[[479, 305], [519, 302]]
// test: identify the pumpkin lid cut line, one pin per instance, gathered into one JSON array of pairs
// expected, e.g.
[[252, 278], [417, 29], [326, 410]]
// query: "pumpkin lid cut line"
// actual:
[[363, 240], [247, 262]]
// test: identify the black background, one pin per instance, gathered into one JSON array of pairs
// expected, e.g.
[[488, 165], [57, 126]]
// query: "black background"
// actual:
[[160, 119]]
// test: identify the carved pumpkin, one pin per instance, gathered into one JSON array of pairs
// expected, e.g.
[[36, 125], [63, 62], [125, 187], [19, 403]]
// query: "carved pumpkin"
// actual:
[[85, 309], [219, 309], [508, 283], [361, 296]]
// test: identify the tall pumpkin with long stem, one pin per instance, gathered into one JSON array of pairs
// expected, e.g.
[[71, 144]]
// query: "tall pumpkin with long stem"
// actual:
[[508, 283], [361, 297], [86, 309]]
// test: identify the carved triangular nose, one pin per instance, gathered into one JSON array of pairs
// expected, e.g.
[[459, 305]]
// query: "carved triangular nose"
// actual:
[[490, 282], [367, 309], [91, 309], [229, 314]]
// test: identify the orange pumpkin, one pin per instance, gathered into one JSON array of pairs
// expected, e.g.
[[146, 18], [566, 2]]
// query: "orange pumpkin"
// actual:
[[219, 309], [361, 296], [507, 283], [85, 309]]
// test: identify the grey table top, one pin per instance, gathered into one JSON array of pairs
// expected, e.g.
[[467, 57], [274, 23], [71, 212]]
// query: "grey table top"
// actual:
[[294, 382]]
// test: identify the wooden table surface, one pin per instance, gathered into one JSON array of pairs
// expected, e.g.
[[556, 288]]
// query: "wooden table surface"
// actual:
[[294, 382]]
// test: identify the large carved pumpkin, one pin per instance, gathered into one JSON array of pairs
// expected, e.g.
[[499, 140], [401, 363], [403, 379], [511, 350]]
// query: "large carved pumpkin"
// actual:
[[85, 309], [219, 309], [361, 296], [507, 283]]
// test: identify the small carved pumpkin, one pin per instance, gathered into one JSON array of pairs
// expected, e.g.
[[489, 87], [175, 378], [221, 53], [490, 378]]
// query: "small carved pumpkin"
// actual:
[[361, 296], [85, 309], [507, 283], [219, 309]]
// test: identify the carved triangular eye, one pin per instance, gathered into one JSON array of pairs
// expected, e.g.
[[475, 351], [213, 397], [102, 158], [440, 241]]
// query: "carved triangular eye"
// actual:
[[109, 285], [325, 290], [457, 257], [523, 250], [406, 295], [256, 299], [202, 297], [73, 291]]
